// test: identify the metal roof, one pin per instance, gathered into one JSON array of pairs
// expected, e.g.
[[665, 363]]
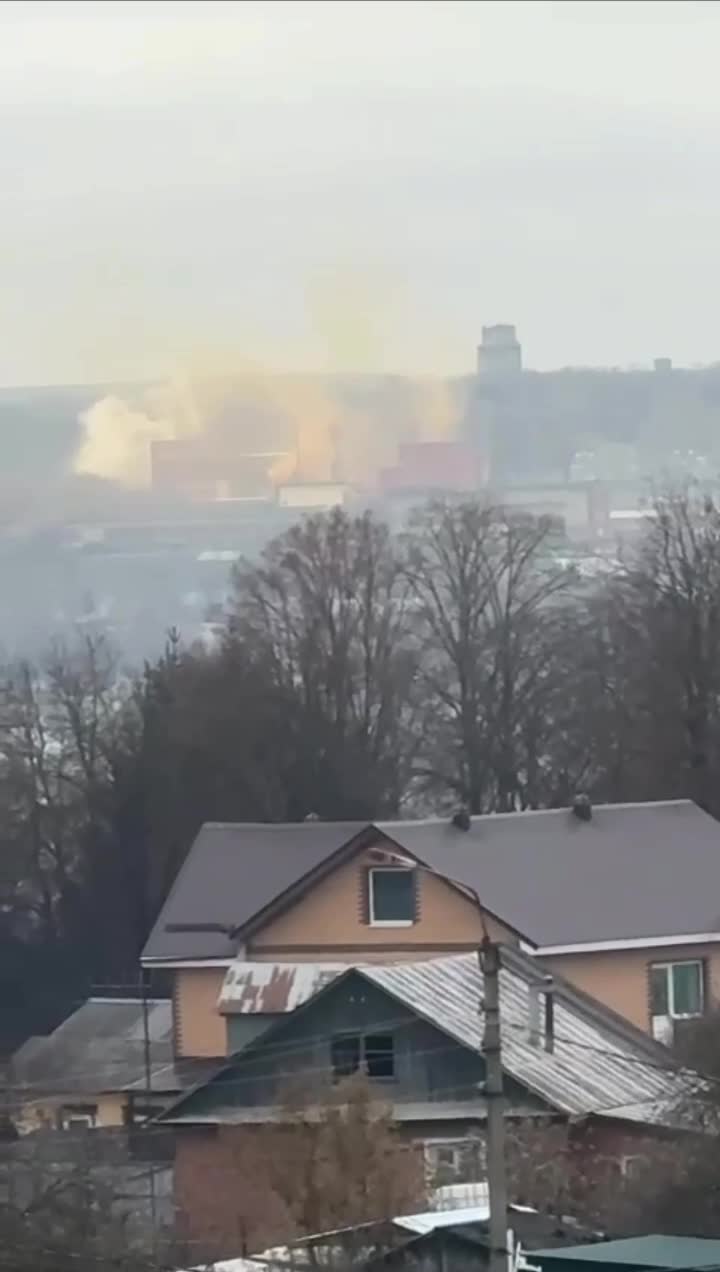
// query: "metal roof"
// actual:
[[653, 1251], [272, 988], [598, 1065], [300, 1252], [101, 1047], [555, 879]]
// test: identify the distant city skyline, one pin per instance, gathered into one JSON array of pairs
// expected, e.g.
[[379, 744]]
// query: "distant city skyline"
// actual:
[[358, 185]]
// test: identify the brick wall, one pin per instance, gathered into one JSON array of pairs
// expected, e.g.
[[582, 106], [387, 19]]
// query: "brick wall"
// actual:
[[222, 1211], [225, 1209]]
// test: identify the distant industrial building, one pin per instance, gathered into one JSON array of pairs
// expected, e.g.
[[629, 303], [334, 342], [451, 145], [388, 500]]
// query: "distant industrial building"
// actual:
[[317, 496], [201, 471], [499, 356], [427, 467]]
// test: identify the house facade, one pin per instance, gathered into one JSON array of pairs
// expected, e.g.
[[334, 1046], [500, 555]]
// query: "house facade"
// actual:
[[413, 1031], [620, 900]]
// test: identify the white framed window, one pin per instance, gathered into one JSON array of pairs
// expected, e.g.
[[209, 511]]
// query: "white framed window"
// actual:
[[391, 900], [454, 1161], [676, 993], [83, 1117]]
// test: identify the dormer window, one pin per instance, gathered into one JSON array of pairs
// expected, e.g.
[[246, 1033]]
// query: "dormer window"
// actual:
[[392, 896]]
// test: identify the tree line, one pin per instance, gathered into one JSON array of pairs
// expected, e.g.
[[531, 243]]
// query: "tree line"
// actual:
[[359, 674]]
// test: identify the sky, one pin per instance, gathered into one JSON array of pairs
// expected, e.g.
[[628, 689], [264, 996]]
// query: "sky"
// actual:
[[355, 185]]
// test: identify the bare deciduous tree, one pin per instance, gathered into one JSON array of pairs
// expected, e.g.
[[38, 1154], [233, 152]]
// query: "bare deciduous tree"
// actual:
[[327, 610], [332, 1158], [488, 603]]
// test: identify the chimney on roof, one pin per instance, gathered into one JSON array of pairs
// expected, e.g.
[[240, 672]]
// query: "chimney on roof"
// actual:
[[534, 1014], [549, 1014], [546, 1031], [581, 806], [461, 820]]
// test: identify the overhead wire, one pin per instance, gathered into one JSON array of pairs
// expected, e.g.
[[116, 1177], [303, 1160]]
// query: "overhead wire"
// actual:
[[272, 1050]]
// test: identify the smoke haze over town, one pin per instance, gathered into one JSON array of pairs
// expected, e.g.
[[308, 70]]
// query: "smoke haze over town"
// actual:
[[253, 250]]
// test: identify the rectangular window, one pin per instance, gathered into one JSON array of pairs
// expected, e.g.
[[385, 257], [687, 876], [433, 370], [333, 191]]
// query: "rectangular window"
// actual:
[[454, 1161], [345, 1055], [676, 990], [379, 1056], [392, 896], [371, 1054], [74, 1117]]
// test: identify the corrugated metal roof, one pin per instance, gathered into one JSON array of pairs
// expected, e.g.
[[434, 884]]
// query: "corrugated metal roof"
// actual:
[[596, 1066], [273, 988], [478, 1212], [599, 1065]]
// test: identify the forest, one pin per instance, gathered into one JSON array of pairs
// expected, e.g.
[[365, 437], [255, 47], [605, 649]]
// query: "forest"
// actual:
[[359, 674]]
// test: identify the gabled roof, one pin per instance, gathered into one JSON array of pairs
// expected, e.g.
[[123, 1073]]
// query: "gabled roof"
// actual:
[[232, 872], [600, 1064], [633, 872], [101, 1047]]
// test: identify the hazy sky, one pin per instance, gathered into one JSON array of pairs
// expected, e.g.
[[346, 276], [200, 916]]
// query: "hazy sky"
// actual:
[[355, 183]]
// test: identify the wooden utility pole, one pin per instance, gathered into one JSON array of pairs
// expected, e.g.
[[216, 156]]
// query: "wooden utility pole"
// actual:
[[496, 1175]]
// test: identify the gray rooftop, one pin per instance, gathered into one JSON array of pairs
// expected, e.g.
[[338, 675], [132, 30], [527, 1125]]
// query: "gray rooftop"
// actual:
[[101, 1047], [232, 871], [633, 871], [599, 1066]]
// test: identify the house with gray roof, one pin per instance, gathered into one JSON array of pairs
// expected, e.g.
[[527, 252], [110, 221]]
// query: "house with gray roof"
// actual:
[[623, 900], [109, 1064], [413, 1031]]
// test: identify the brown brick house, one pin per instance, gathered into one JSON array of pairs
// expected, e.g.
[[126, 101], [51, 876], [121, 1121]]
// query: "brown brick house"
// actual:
[[623, 900]]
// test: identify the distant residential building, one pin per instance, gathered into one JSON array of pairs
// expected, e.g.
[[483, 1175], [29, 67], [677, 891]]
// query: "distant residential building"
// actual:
[[110, 1064]]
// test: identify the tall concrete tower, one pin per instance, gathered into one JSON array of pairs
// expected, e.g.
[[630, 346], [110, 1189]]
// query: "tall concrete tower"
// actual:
[[499, 356]]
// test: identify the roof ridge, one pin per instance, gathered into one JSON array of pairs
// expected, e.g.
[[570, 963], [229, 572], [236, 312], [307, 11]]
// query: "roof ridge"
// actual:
[[283, 825], [381, 822], [597, 808]]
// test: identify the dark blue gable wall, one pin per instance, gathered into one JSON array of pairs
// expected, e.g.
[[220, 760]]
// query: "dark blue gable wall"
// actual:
[[428, 1064]]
